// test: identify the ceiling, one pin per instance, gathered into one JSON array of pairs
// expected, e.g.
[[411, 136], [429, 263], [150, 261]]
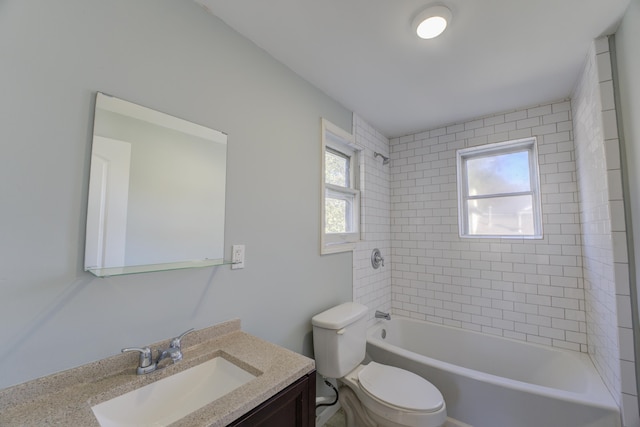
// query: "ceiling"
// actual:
[[497, 55]]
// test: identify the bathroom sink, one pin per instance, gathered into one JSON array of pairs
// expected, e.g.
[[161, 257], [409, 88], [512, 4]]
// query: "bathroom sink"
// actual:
[[169, 399]]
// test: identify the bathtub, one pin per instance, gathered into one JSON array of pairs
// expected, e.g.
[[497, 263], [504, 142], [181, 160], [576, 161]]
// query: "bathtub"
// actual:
[[490, 381]]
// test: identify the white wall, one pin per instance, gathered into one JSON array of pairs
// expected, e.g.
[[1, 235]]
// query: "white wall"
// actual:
[[523, 289], [628, 70], [605, 259], [372, 287], [176, 58]]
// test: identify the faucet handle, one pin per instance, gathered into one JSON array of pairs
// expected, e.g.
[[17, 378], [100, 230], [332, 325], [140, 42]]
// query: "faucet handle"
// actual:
[[145, 364], [176, 342], [145, 355], [376, 259]]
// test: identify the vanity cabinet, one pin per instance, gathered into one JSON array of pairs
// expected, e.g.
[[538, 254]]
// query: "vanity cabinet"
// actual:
[[292, 407], [67, 398]]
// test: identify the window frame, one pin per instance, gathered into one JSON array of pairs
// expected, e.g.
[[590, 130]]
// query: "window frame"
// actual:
[[500, 148], [339, 141]]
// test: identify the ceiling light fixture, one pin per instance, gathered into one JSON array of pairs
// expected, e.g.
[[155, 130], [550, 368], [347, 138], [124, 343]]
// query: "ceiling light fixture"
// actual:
[[432, 22]]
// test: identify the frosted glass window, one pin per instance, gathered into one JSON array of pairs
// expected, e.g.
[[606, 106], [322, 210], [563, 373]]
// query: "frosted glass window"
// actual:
[[498, 190]]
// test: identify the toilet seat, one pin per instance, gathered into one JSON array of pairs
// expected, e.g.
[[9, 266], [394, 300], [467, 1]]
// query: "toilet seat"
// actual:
[[399, 388]]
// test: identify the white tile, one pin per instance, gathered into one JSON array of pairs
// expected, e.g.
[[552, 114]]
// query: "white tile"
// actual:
[[601, 45], [494, 120], [528, 123], [625, 336], [552, 333], [539, 340], [604, 67], [606, 95], [610, 124], [614, 181], [547, 129], [504, 128], [616, 208], [612, 153], [567, 345], [539, 111], [561, 106], [619, 239], [474, 124], [516, 115], [623, 305], [562, 116], [621, 274], [630, 415], [455, 128]]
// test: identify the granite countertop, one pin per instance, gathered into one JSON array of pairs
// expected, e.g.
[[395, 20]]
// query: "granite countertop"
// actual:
[[66, 398]]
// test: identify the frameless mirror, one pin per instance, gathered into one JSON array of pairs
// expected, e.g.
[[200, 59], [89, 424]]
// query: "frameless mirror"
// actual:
[[156, 191]]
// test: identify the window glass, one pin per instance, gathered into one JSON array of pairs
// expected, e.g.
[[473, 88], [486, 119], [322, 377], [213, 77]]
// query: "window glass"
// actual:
[[336, 168], [498, 190], [503, 173], [510, 216], [339, 209]]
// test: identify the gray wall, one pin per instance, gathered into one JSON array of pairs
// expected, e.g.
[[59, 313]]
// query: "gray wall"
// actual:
[[173, 57]]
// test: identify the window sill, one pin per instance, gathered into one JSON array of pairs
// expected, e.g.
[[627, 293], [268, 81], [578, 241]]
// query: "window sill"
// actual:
[[486, 236], [337, 248]]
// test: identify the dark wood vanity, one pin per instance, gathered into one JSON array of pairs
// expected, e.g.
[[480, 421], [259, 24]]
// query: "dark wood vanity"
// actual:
[[292, 407]]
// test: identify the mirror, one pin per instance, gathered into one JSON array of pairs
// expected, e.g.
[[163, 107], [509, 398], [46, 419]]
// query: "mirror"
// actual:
[[156, 191]]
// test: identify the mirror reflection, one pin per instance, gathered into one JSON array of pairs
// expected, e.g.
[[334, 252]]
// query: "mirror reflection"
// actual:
[[156, 191]]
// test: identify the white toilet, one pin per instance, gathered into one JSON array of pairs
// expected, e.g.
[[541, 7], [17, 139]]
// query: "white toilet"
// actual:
[[373, 394]]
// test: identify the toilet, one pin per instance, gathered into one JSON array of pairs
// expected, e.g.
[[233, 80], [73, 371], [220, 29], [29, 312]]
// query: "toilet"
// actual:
[[372, 394]]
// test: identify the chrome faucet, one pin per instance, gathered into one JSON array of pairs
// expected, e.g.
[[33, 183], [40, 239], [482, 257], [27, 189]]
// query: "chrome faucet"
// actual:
[[146, 363], [175, 349], [382, 315]]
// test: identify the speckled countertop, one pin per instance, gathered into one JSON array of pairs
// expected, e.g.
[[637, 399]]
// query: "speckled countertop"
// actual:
[[66, 398]]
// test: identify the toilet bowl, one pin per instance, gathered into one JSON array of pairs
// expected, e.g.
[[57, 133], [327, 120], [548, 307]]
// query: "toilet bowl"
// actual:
[[373, 394], [394, 397]]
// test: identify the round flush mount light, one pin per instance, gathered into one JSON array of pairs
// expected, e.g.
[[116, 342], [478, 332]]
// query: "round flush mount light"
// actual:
[[432, 21]]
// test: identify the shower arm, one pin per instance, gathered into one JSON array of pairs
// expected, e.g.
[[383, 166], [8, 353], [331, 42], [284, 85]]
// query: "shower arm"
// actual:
[[385, 159]]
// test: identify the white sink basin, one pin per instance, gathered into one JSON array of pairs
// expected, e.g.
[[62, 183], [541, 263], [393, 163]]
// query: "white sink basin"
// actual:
[[171, 398]]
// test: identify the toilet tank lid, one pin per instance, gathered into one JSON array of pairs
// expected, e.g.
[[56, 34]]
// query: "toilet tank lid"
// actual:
[[339, 316]]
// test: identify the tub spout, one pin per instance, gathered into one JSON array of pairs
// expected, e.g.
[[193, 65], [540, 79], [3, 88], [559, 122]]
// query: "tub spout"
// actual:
[[382, 315]]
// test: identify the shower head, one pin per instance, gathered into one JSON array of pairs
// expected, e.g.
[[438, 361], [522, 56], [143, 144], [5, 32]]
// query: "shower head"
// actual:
[[385, 159]]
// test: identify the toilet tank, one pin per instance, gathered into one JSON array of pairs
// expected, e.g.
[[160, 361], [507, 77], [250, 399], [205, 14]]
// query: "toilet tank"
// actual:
[[339, 339]]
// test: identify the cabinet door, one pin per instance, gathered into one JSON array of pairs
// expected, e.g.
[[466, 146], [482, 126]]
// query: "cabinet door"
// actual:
[[292, 407]]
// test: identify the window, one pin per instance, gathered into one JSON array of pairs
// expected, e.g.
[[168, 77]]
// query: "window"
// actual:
[[340, 195], [498, 190]]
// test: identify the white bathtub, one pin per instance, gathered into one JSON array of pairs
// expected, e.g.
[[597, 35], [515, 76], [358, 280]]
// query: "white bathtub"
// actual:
[[490, 381]]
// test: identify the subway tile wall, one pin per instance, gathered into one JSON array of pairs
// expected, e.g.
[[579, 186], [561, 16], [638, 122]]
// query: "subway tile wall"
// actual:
[[606, 269], [372, 287], [529, 290]]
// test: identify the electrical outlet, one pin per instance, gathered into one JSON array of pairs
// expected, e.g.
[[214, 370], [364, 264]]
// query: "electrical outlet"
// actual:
[[237, 257]]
